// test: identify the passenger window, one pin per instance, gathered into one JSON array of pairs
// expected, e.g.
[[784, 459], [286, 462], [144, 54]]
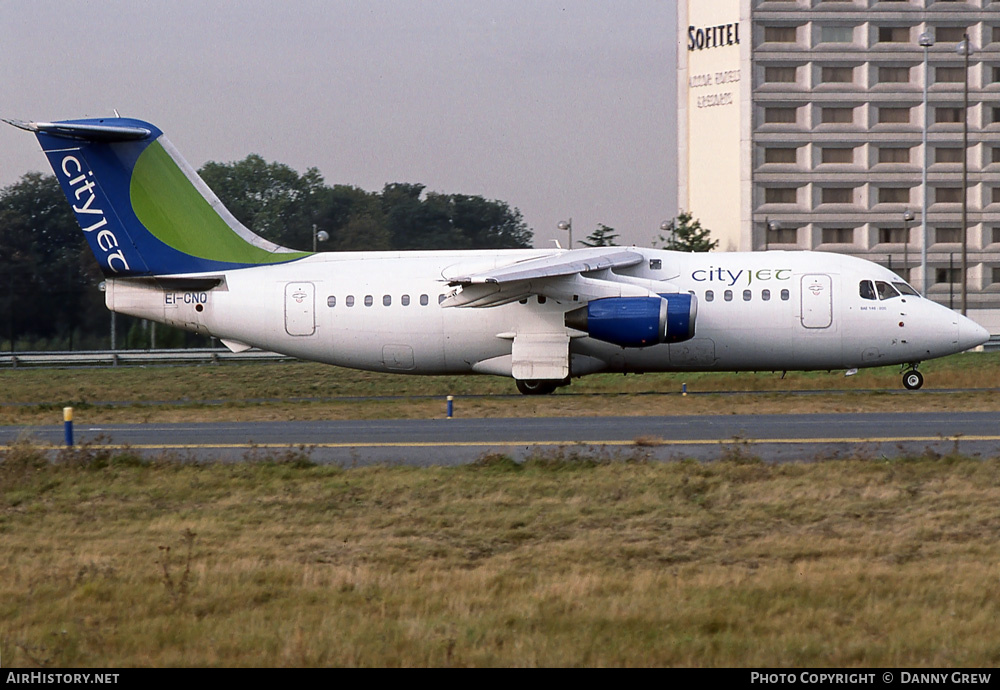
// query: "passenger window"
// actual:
[[405, 300], [866, 290], [386, 300], [709, 296], [541, 299], [369, 301], [885, 291], [784, 295], [440, 299], [728, 295], [765, 295], [350, 300], [655, 264], [331, 301], [747, 295], [423, 300]]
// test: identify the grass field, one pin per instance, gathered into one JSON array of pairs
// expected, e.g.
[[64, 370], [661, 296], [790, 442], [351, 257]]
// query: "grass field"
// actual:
[[565, 560], [299, 390]]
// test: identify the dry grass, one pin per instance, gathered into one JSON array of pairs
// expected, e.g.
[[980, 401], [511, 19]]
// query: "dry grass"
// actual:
[[565, 560]]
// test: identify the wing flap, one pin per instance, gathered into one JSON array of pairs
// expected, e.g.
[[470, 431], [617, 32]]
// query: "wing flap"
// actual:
[[562, 264]]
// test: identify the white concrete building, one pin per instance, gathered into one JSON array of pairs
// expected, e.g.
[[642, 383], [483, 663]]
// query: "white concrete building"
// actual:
[[807, 117]]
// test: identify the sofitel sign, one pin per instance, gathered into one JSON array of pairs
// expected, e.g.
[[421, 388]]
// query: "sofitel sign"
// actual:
[[713, 36]]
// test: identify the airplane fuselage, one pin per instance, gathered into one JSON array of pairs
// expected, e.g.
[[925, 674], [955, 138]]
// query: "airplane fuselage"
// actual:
[[382, 312]]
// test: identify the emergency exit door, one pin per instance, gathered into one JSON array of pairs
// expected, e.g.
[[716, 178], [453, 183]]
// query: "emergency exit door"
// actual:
[[817, 300], [300, 308]]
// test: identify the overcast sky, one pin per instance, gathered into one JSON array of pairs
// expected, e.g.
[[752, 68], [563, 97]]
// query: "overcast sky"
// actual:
[[561, 109]]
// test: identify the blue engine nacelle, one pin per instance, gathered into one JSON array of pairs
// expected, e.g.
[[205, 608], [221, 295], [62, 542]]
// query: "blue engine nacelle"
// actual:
[[637, 321]]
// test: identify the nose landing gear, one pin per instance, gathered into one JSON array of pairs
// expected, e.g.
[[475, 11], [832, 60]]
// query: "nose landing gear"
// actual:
[[912, 379]]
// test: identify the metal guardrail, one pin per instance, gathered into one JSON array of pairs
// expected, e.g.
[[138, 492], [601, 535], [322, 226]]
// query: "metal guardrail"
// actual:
[[111, 358], [993, 344]]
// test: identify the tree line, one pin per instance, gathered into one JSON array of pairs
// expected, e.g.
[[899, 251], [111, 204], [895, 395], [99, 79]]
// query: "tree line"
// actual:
[[49, 279]]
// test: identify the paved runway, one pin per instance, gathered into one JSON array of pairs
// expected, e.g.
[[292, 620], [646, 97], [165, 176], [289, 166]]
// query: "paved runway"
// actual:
[[456, 441]]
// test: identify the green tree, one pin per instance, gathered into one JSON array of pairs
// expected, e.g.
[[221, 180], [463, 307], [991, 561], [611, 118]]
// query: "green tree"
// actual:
[[685, 234], [603, 236], [271, 199]]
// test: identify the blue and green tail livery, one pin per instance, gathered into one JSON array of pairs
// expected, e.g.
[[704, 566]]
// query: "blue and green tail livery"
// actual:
[[142, 207]]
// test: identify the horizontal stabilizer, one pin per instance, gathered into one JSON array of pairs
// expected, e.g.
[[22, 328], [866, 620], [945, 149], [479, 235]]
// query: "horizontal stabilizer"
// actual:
[[85, 132]]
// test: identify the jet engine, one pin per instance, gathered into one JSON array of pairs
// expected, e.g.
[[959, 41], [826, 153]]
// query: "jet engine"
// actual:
[[637, 321]]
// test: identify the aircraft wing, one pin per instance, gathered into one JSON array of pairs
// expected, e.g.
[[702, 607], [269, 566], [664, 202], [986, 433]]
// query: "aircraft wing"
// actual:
[[579, 275]]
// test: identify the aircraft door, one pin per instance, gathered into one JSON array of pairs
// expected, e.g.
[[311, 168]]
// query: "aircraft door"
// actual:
[[817, 300], [300, 308]]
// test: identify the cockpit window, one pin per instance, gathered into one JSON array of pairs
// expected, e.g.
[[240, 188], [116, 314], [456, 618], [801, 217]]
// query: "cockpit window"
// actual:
[[885, 291], [906, 289], [866, 290]]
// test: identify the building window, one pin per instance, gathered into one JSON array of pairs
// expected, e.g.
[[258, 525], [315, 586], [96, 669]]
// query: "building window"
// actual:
[[893, 115], [948, 275], [837, 155], [996, 34], [782, 235], [947, 155], [996, 154], [779, 75], [781, 195], [996, 274], [782, 155], [948, 235], [837, 195], [894, 195], [837, 115], [779, 34], [949, 75], [949, 34], [948, 195], [996, 195], [946, 115], [996, 115], [892, 235], [893, 75], [838, 235], [996, 75], [836, 34], [893, 154], [837, 75], [779, 115], [894, 34], [995, 235]]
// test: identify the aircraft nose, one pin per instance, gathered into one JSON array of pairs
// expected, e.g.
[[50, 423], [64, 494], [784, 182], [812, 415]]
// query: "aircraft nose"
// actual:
[[970, 333]]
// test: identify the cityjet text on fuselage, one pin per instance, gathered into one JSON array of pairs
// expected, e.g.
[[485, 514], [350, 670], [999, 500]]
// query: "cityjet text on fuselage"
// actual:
[[729, 278], [92, 219]]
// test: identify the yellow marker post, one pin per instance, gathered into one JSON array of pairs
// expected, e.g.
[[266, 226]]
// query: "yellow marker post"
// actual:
[[68, 425]]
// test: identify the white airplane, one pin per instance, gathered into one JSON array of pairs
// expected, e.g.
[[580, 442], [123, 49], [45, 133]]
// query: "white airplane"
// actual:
[[172, 253]]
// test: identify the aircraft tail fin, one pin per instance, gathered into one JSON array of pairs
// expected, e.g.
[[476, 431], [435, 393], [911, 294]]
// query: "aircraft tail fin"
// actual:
[[142, 207]]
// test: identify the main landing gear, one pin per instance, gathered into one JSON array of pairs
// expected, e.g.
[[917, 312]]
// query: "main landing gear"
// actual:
[[912, 379], [539, 387]]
